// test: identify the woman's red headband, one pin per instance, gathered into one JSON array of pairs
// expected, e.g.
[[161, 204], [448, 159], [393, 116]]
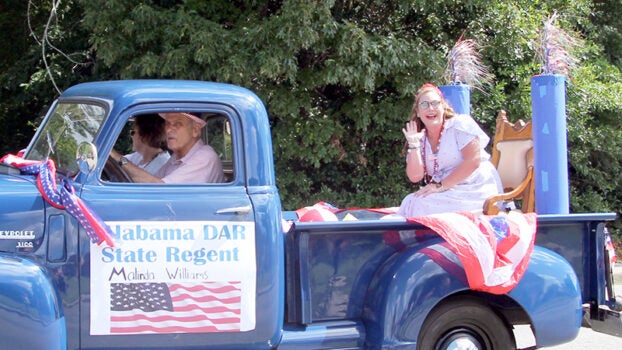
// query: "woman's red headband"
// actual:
[[430, 86]]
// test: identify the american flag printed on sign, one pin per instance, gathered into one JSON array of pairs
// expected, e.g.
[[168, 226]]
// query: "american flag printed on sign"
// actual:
[[175, 307]]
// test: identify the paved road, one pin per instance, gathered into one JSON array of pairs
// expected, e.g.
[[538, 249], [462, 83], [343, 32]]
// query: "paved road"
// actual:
[[587, 338]]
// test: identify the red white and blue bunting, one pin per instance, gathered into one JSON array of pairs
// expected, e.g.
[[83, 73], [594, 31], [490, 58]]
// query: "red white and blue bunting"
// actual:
[[60, 193]]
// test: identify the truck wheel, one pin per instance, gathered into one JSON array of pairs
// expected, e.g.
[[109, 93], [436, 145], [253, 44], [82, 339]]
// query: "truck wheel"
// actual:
[[465, 323]]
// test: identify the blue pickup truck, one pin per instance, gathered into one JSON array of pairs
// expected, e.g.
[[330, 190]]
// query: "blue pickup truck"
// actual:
[[222, 266]]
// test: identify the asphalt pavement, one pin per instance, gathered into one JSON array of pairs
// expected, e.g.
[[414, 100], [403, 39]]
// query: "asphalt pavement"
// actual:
[[587, 338]]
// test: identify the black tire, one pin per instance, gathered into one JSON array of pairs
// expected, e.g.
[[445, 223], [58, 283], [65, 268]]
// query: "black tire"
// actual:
[[465, 319]]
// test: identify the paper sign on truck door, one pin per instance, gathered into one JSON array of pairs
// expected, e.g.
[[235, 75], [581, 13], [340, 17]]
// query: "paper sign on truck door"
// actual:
[[174, 277]]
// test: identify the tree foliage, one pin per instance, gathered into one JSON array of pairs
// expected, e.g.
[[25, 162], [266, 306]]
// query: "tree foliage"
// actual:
[[337, 76]]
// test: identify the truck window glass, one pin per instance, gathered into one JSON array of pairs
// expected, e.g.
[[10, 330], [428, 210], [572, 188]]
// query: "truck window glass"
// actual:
[[69, 125], [216, 133]]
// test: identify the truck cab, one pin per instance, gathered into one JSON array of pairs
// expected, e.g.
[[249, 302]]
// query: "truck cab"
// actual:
[[220, 241]]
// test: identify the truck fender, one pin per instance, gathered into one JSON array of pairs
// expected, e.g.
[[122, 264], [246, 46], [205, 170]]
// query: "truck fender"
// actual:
[[550, 294], [406, 288], [410, 284], [31, 315]]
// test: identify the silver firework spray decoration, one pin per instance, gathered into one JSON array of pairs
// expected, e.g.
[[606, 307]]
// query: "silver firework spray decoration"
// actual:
[[465, 66], [554, 49]]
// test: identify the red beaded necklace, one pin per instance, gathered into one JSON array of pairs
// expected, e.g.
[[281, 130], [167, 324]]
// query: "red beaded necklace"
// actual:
[[426, 176]]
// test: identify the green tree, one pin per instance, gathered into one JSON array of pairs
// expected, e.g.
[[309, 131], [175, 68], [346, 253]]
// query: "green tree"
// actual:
[[16, 66], [338, 76], [42, 52]]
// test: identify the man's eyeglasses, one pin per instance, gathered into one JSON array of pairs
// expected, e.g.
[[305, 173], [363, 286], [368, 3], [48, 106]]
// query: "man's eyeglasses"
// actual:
[[429, 104]]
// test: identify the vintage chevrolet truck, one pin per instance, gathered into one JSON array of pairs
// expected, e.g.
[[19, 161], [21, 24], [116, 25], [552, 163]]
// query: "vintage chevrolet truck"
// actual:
[[222, 266]]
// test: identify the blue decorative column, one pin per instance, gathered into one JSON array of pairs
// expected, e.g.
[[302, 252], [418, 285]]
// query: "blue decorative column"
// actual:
[[548, 102], [458, 96]]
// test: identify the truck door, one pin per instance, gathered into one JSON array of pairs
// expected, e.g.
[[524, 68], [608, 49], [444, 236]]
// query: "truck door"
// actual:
[[182, 271]]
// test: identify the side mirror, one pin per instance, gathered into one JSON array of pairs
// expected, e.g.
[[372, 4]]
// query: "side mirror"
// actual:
[[86, 157]]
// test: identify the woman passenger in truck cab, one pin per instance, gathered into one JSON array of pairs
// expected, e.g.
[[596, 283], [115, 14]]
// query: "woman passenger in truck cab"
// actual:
[[148, 143], [446, 151]]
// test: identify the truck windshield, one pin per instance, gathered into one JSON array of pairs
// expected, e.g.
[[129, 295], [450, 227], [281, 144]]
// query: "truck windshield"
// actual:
[[68, 125]]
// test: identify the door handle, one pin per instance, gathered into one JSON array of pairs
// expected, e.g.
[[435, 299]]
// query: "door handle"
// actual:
[[238, 210]]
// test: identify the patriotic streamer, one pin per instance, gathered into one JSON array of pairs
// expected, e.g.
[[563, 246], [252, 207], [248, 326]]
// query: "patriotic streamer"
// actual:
[[62, 197], [465, 66], [331, 208]]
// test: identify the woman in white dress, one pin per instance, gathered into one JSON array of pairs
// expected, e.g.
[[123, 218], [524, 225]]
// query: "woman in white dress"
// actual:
[[446, 151], [148, 143]]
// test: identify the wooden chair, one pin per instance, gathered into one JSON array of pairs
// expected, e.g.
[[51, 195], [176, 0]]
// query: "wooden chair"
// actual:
[[512, 155]]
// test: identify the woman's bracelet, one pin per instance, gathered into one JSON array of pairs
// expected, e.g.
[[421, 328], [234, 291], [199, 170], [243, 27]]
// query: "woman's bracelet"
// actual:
[[414, 145], [439, 186]]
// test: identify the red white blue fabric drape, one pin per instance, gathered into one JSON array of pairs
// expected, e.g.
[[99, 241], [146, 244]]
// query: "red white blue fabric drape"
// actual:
[[494, 249], [62, 195]]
